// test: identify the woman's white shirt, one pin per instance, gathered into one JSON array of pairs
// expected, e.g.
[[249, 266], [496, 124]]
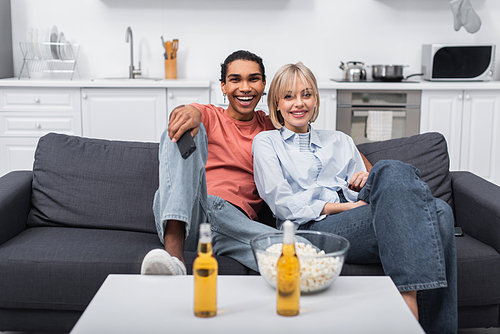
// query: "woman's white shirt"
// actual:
[[284, 176]]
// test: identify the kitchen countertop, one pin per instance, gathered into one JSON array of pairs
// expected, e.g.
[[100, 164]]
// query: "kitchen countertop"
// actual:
[[185, 83], [105, 83], [413, 85]]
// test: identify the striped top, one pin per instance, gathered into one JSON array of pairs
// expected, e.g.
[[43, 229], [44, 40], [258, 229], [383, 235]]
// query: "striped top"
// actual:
[[305, 147]]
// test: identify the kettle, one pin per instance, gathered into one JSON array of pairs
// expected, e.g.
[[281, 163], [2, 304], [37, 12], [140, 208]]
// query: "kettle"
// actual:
[[353, 71]]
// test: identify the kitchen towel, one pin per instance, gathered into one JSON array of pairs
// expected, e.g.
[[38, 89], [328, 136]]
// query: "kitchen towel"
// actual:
[[379, 125], [464, 15]]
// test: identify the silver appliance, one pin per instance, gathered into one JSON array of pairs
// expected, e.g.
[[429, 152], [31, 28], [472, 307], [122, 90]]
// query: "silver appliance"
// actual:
[[373, 115], [6, 62], [458, 62]]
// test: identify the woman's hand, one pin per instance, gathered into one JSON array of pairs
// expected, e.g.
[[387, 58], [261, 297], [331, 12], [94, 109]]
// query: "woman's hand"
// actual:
[[182, 119], [358, 181], [333, 208]]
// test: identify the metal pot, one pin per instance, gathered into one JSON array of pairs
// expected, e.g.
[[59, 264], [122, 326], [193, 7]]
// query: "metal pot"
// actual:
[[390, 72], [353, 71]]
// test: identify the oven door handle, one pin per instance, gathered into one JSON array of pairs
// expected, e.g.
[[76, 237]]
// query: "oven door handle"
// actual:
[[361, 113]]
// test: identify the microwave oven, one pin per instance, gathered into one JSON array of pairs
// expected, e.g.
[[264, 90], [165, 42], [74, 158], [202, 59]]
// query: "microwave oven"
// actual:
[[458, 62]]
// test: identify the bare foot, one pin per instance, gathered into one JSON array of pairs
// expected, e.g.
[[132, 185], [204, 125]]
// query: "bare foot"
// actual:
[[410, 298]]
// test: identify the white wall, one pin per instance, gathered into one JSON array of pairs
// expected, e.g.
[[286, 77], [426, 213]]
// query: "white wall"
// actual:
[[319, 33]]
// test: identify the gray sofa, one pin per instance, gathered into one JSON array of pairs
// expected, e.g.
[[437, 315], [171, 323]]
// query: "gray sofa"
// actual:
[[85, 212]]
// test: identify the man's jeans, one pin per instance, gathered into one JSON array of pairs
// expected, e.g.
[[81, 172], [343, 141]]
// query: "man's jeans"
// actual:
[[411, 233], [182, 195]]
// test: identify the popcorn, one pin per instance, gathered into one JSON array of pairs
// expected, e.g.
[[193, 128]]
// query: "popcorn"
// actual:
[[316, 271]]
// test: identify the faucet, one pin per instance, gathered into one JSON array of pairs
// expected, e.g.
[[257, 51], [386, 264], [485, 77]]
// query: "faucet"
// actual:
[[132, 72]]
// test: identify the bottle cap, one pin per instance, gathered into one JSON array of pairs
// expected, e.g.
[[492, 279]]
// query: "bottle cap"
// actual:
[[288, 232], [205, 233]]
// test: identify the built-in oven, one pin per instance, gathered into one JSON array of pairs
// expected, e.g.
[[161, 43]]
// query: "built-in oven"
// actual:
[[373, 115]]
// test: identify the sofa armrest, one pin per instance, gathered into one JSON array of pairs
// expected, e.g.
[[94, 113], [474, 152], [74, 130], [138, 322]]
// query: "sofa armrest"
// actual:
[[15, 203], [477, 207]]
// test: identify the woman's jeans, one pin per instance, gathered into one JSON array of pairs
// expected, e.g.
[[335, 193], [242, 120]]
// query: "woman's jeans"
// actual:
[[411, 233], [182, 195]]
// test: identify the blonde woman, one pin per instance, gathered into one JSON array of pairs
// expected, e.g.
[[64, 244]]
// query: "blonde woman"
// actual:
[[317, 179]]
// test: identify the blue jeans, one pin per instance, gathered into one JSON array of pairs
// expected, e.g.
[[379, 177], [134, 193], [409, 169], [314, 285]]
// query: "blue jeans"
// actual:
[[411, 233], [182, 195]]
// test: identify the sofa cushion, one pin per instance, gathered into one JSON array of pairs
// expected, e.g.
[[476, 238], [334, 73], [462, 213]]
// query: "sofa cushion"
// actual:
[[428, 152], [83, 182], [59, 268], [62, 268]]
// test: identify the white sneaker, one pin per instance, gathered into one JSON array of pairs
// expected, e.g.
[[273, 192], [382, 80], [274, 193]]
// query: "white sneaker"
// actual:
[[159, 262]]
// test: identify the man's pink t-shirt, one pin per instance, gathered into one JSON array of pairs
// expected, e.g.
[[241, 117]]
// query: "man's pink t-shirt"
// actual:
[[229, 167]]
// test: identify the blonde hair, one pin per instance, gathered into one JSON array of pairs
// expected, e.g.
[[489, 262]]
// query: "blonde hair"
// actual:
[[285, 78]]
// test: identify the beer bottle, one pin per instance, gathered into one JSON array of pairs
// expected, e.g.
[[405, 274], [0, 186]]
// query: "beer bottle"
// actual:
[[288, 269], [205, 269]]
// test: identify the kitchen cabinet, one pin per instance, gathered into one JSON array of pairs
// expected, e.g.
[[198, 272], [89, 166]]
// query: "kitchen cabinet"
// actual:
[[327, 118], [116, 110], [442, 111], [131, 114], [469, 120], [28, 113], [180, 96]]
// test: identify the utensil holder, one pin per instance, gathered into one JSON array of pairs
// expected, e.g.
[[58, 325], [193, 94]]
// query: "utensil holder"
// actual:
[[171, 68]]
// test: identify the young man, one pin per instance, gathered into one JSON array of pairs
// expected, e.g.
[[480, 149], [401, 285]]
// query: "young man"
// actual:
[[215, 183]]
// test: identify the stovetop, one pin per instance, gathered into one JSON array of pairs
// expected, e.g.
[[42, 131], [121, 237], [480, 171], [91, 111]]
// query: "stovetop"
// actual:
[[374, 81]]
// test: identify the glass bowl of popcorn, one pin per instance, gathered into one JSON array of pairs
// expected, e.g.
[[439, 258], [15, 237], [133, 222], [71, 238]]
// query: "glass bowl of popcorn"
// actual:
[[321, 256]]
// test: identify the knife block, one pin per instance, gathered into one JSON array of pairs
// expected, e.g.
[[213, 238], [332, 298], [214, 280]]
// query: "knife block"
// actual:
[[171, 68]]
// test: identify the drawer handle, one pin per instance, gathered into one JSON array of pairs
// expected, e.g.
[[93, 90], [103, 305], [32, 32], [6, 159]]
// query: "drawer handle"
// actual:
[[37, 100], [38, 125]]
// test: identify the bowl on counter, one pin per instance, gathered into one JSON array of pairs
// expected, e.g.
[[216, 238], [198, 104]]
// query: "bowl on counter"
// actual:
[[321, 256]]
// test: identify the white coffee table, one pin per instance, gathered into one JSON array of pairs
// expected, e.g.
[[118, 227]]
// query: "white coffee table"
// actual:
[[246, 304]]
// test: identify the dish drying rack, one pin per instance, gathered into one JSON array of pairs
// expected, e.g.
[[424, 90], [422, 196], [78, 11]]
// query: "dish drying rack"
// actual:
[[49, 58]]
